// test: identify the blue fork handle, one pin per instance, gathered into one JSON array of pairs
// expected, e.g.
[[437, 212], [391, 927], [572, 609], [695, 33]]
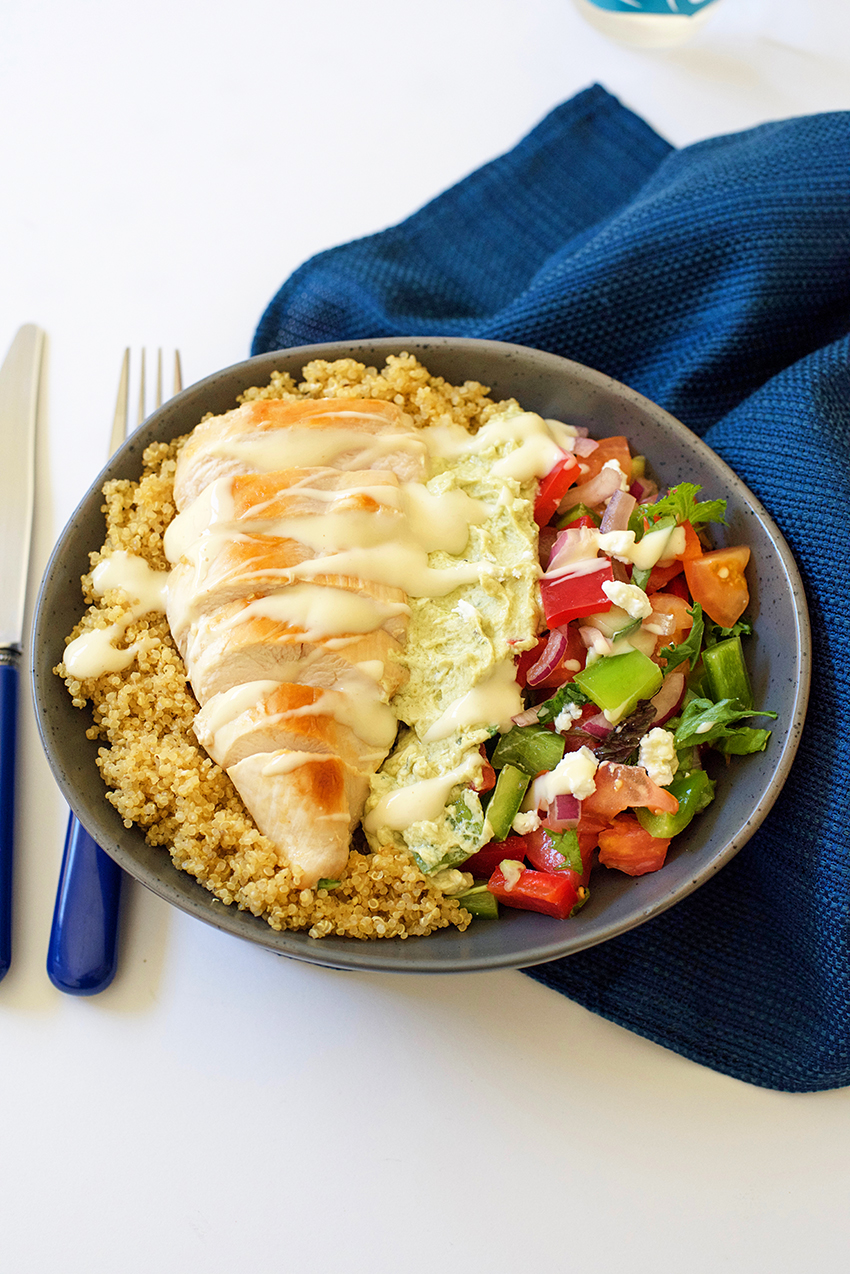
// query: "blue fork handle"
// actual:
[[9, 677], [81, 956]]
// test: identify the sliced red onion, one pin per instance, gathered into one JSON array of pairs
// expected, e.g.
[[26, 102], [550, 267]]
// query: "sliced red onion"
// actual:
[[668, 700], [644, 490], [661, 623], [553, 653], [585, 446], [619, 510], [599, 726], [595, 639], [600, 488], [548, 536], [527, 717], [564, 812]]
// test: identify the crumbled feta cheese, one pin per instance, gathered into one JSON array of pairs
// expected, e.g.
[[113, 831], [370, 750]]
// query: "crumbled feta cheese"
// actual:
[[574, 775], [658, 757], [571, 712], [525, 823], [618, 468], [628, 597]]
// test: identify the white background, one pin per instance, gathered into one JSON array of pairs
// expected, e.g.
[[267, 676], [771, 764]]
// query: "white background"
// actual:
[[163, 167]]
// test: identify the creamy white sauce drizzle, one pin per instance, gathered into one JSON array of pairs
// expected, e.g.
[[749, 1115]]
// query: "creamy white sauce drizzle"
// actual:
[[94, 653], [320, 611], [533, 453], [577, 553], [493, 702], [316, 446], [418, 802]]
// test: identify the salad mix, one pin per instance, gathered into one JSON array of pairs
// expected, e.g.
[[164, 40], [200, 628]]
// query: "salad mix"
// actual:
[[638, 679]]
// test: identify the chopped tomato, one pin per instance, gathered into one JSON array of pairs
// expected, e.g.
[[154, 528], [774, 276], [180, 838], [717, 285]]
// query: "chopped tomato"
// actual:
[[628, 847], [677, 608], [589, 827], [487, 859], [693, 547], [554, 487], [661, 576], [567, 597], [616, 448], [620, 787], [717, 582], [678, 586], [488, 774], [541, 853], [550, 892], [584, 520]]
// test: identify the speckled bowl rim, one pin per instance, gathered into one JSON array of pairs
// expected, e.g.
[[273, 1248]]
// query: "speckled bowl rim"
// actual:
[[519, 939]]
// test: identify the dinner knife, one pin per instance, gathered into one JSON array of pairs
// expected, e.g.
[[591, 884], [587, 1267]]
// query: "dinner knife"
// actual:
[[20, 377]]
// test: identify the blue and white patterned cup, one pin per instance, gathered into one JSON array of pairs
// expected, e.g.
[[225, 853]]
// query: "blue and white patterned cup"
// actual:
[[651, 23]]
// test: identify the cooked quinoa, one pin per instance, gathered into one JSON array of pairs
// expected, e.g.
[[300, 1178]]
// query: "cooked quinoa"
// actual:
[[156, 773]]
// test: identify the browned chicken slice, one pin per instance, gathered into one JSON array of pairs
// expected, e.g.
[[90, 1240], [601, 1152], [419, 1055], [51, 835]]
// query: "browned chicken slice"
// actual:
[[294, 673], [266, 497], [187, 614], [309, 809], [269, 435], [296, 718], [223, 655]]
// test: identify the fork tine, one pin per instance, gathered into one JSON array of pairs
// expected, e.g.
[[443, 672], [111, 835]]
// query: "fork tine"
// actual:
[[119, 420], [159, 378], [141, 391], [178, 372]]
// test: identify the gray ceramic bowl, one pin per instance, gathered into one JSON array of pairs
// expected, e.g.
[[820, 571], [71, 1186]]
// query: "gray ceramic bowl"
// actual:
[[778, 657]]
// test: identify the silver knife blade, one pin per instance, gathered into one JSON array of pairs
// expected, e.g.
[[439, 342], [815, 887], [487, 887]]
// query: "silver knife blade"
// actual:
[[19, 382]]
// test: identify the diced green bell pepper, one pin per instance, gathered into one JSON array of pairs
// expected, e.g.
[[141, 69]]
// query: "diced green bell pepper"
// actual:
[[616, 683], [510, 788], [531, 748], [480, 902], [726, 672], [693, 791], [573, 514]]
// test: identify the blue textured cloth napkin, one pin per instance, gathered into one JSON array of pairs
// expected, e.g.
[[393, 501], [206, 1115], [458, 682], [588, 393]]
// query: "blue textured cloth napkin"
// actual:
[[715, 280]]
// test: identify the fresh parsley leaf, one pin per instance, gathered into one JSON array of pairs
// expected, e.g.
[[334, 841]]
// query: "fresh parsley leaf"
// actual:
[[744, 741], [691, 646], [714, 633], [567, 693], [681, 501], [705, 722], [567, 844]]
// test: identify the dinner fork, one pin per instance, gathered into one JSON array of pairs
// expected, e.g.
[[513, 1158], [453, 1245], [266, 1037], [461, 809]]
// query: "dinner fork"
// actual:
[[81, 955]]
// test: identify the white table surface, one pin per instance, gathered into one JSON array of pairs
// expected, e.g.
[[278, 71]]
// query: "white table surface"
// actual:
[[163, 167]]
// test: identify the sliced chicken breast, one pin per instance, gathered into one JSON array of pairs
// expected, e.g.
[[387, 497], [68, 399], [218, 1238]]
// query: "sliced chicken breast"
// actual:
[[298, 718], [270, 435], [306, 805]]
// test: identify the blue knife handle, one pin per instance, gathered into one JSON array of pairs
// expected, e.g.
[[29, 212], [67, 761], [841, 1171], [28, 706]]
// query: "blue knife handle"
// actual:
[[8, 738], [81, 956]]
